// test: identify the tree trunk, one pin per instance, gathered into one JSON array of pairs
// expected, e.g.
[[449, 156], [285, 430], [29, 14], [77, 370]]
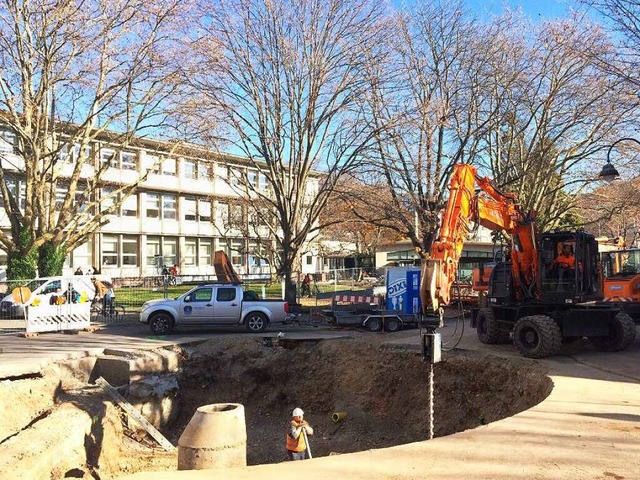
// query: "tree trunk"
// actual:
[[51, 259], [21, 262]]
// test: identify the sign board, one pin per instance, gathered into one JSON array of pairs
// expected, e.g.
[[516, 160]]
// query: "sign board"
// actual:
[[21, 295]]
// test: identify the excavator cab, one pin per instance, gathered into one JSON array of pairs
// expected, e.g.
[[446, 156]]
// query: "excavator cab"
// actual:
[[569, 268]]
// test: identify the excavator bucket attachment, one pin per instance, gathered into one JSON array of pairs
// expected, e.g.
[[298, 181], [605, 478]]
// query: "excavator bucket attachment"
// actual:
[[430, 272]]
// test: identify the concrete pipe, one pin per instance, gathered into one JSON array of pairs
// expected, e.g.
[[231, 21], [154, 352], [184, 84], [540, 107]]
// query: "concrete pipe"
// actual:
[[215, 437], [338, 416]]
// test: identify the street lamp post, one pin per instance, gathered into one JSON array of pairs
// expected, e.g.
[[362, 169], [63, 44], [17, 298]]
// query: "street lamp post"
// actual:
[[609, 172]]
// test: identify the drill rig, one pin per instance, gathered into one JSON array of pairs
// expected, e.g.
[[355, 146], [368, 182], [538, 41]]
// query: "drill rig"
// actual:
[[531, 295]]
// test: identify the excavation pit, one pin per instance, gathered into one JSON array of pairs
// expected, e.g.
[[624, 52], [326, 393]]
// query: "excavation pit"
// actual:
[[376, 392], [382, 390]]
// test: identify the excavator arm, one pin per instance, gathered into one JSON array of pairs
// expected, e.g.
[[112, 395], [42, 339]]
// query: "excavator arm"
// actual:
[[475, 200]]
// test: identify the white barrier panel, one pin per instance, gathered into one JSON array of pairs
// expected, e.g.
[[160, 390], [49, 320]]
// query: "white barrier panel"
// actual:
[[55, 318]]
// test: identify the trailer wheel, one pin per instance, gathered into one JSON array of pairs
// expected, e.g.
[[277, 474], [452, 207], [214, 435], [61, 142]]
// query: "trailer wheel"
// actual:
[[392, 324], [256, 322], [622, 333], [487, 328], [161, 323], [374, 324], [537, 336]]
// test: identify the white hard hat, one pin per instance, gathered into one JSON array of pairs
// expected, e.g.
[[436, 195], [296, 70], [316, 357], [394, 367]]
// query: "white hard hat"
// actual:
[[297, 412]]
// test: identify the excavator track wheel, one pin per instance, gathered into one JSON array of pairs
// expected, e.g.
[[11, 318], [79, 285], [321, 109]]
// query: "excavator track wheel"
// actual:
[[488, 329], [537, 336], [622, 333]]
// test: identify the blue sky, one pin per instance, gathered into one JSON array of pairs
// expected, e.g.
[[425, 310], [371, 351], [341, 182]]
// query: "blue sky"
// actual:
[[542, 9]]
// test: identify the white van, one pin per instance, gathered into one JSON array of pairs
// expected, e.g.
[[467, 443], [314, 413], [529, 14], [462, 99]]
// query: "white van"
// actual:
[[75, 289]]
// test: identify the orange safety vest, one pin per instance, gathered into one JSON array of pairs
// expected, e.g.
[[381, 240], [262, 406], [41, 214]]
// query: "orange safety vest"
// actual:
[[568, 260], [296, 444]]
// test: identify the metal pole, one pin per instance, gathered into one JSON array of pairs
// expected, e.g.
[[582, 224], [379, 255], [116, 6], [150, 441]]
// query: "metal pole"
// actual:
[[430, 405], [306, 442]]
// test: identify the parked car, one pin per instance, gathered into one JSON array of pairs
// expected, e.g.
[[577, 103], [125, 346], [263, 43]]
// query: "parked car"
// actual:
[[43, 288], [213, 305]]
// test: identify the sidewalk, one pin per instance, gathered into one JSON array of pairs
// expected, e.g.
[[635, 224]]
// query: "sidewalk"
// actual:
[[588, 428]]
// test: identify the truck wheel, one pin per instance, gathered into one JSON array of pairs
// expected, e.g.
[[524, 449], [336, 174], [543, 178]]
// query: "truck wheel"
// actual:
[[161, 323], [487, 328], [392, 324], [537, 336], [622, 333], [256, 322], [374, 324]]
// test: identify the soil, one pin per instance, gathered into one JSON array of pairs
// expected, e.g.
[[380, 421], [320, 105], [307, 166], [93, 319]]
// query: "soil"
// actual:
[[382, 389]]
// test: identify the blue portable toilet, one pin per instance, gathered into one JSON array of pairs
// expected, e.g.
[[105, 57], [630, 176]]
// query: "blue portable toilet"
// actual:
[[403, 289]]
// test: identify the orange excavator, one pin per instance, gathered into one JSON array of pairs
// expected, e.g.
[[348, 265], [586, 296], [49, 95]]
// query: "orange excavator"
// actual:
[[546, 289]]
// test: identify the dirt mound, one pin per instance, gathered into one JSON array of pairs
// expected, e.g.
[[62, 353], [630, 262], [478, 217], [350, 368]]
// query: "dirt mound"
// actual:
[[382, 389]]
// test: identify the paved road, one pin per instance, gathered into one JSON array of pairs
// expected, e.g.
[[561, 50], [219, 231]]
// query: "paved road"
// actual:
[[24, 356]]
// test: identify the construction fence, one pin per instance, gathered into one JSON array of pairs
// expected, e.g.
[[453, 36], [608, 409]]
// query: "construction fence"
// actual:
[[71, 303]]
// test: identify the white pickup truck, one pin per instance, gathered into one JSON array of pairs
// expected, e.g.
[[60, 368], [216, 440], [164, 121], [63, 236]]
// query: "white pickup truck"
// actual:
[[213, 305]]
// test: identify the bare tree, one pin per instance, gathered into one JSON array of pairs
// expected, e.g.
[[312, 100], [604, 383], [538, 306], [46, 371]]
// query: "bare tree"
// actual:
[[557, 118], [285, 76], [350, 217], [73, 73], [622, 17], [613, 210], [429, 105]]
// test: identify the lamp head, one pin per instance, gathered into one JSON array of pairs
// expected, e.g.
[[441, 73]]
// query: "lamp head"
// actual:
[[609, 172]]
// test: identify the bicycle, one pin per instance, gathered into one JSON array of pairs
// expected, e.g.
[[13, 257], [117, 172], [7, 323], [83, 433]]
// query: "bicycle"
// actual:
[[101, 313]]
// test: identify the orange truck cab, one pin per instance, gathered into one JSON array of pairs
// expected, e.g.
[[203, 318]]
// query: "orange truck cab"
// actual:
[[622, 279]]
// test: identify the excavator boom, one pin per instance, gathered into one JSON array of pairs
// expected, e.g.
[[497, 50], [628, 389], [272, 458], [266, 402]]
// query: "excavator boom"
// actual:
[[490, 208]]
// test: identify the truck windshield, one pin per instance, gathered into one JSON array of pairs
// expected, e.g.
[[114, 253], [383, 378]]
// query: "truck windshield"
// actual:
[[623, 262]]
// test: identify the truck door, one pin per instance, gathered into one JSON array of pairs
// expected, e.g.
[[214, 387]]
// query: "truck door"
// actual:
[[227, 305], [197, 307]]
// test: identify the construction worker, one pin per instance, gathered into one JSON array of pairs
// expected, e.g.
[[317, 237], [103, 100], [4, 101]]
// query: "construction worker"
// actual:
[[566, 259], [296, 441]]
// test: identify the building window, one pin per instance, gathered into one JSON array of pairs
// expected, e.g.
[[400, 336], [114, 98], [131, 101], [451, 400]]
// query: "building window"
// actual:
[[169, 207], [169, 166], [233, 176], [170, 250], [86, 155], [108, 200], [151, 163], [204, 170], [189, 169], [61, 194], [237, 247], [128, 161], [204, 257], [130, 206], [8, 141], [153, 252], [264, 184], [204, 209], [309, 260], [110, 250], [152, 205], [252, 178], [130, 251], [108, 155], [190, 209], [222, 212], [82, 256], [190, 252]]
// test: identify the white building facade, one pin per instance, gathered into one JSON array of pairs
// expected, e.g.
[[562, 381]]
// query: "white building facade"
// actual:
[[178, 215]]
